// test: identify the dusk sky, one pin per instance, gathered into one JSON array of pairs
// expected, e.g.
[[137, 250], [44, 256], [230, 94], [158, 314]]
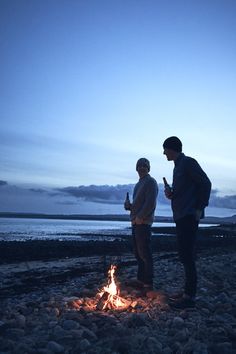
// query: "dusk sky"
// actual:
[[89, 86]]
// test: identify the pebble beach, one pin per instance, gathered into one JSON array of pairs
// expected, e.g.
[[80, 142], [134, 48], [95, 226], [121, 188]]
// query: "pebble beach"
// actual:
[[48, 306]]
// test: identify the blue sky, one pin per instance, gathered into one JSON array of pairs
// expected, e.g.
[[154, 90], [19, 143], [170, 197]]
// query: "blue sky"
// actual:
[[88, 87]]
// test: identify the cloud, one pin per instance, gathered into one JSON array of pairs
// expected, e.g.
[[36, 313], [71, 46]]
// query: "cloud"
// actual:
[[3, 183], [116, 195], [66, 203], [99, 194], [227, 201], [38, 190]]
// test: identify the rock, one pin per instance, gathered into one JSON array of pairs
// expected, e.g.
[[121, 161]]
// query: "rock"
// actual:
[[22, 348], [69, 324], [182, 335], [2, 325], [84, 344], [88, 334], [21, 320], [55, 347], [194, 346], [137, 320], [222, 348], [153, 346], [59, 332], [178, 322], [44, 321], [15, 333]]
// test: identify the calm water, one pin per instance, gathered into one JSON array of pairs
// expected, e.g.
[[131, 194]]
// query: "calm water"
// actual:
[[25, 229], [31, 229]]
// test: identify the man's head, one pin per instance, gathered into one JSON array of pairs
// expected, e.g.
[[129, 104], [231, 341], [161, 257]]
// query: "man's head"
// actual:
[[142, 167], [172, 147]]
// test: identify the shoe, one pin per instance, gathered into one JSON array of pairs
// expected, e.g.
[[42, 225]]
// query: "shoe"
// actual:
[[183, 303], [176, 296]]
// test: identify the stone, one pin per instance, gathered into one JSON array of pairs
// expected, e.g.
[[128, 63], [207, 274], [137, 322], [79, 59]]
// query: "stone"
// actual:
[[55, 347], [69, 324], [178, 322]]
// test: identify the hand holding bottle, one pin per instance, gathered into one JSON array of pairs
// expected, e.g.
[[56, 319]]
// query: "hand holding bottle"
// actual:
[[168, 189], [127, 204]]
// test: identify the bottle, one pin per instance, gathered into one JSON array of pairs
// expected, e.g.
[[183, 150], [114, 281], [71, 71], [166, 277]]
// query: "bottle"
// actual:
[[127, 202], [127, 197], [166, 184], [168, 189]]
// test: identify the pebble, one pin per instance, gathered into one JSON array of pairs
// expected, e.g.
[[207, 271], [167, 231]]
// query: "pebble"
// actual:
[[45, 322]]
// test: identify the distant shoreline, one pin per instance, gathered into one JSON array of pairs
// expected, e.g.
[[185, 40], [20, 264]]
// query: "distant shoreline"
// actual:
[[109, 217], [99, 217]]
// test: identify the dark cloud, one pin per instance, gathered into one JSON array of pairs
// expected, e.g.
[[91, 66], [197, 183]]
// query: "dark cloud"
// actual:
[[99, 194], [38, 190], [227, 201], [3, 183], [66, 203], [116, 195], [106, 194]]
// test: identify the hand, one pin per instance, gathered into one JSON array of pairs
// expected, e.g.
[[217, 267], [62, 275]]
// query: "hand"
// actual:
[[138, 221], [127, 205], [168, 193]]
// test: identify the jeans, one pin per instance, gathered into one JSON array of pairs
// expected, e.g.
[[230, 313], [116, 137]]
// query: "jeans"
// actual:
[[186, 230], [142, 251]]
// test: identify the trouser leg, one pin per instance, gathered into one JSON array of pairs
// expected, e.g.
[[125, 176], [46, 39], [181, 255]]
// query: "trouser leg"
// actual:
[[190, 279], [186, 239], [143, 253]]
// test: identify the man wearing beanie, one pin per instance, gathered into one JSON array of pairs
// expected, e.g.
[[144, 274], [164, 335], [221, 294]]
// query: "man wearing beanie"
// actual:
[[142, 216], [189, 195]]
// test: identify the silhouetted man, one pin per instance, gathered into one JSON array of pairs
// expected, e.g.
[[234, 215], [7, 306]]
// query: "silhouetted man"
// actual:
[[189, 195], [142, 216]]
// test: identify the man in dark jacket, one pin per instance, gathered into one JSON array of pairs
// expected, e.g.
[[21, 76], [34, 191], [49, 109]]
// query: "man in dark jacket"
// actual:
[[189, 195]]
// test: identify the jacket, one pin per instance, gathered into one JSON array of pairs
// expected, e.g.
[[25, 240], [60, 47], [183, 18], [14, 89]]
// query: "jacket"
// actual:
[[144, 199], [191, 187]]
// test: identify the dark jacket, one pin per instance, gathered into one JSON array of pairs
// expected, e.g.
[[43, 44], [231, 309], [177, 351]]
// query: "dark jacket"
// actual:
[[191, 187]]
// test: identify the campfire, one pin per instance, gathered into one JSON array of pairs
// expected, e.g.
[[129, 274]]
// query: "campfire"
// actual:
[[109, 298], [110, 294]]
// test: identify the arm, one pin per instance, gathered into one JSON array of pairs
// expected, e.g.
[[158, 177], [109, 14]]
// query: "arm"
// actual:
[[202, 183]]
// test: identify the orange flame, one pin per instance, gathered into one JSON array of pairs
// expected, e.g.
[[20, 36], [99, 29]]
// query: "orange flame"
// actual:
[[111, 287], [113, 300]]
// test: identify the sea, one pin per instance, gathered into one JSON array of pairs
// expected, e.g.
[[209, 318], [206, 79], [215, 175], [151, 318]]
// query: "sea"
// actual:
[[23, 229]]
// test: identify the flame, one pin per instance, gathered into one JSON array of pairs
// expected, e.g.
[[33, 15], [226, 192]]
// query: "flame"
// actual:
[[111, 287], [113, 299]]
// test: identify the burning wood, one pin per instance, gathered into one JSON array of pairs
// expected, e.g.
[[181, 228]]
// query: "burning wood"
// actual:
[[109, 299], [109, 296], [110, 302]]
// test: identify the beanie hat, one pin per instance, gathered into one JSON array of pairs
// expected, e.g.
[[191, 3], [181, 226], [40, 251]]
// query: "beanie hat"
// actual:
[[143, 161], [173, 143]]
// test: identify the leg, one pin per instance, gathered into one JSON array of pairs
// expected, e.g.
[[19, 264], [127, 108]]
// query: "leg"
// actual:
[[140, 273], [186, 239], [143, 253]]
